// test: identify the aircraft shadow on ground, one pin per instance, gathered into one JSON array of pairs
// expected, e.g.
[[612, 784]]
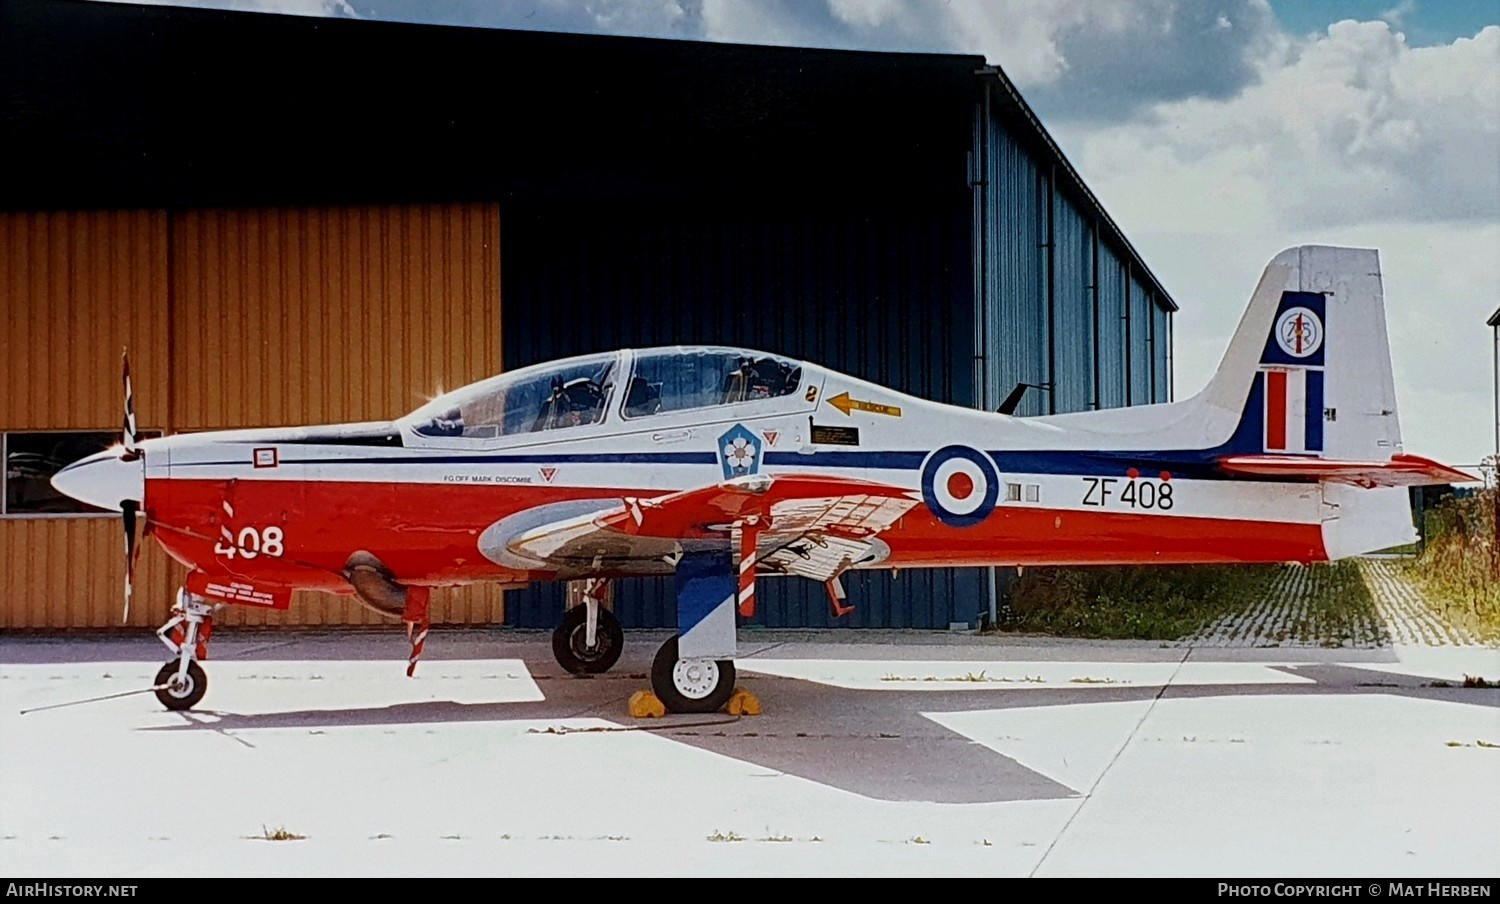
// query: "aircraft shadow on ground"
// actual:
[[875, 743]]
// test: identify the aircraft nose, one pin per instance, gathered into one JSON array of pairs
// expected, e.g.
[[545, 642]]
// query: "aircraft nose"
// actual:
[[104, 479]]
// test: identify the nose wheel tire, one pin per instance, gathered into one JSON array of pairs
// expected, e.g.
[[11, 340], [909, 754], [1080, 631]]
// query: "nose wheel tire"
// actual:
[[185, 695], [691, 685], [570, 642]]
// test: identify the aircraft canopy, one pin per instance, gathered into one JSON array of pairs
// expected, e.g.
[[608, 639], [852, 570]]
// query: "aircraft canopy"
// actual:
[[629, 384]]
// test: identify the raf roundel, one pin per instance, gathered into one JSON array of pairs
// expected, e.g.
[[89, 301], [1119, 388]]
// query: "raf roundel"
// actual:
[[960, 485], [1299, 332]]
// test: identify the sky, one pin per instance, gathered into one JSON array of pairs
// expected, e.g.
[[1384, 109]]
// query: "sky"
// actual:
[[1215, 132]]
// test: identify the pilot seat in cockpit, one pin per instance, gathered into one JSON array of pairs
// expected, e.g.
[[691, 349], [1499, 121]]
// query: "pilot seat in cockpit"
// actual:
[[572, 404]]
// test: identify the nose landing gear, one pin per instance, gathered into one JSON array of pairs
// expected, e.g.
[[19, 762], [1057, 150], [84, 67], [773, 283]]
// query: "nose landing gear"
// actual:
[[181, 683], [588, 641]]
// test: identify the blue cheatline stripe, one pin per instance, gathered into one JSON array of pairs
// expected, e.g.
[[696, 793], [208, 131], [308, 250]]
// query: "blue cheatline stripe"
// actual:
[[664, 458], [1315, 411]]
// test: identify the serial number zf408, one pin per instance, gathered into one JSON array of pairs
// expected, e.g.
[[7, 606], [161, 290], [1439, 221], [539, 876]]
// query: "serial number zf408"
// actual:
[[1138, 492]]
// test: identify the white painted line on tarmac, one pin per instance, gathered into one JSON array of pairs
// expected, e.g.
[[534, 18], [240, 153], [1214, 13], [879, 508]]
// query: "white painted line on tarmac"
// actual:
[[1002, 675]]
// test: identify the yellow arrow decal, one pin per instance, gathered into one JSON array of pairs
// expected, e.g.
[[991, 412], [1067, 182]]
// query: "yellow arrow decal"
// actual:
[[845, 404]]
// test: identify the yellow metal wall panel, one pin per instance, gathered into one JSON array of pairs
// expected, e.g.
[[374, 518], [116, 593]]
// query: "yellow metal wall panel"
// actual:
[[327, 315], [263, 317], [479, 604], [76, 287], [70, 573]]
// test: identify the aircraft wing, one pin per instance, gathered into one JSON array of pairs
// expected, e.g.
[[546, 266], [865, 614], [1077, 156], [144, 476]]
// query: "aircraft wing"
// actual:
[[1401, 471], [807, 525]]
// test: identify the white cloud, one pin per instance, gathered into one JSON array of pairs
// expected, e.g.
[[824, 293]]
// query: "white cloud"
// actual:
[[1349, 138], [1352, 127], [1397, 14], [1077, 58]]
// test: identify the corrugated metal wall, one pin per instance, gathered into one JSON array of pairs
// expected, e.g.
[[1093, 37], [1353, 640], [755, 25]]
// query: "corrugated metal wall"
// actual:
[[263, 317], [1059, 305], [880, 290], [76, 287], [321, 315], [1138, 328], [1073, 382], [1113, 313], [1161, 338], [1013, 262]]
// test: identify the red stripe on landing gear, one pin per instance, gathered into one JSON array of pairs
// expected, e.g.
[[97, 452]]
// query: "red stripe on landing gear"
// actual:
[[1275, 409], [748, 534]]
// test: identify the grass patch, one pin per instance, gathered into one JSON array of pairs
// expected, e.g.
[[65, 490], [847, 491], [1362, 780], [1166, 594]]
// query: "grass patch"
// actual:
[[1131, 601], [1333, 604], [280, 833], [1139, 602], [1174, 602], [1459, 571]]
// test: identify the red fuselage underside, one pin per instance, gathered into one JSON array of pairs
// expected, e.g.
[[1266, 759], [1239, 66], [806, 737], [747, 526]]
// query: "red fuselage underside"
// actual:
[[427, 534]]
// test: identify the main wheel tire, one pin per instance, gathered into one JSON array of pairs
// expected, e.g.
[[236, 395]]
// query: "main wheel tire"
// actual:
[[691, 685], [177, 697], [570, 647]]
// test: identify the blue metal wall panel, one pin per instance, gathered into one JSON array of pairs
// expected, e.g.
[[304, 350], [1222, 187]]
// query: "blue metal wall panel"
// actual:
[[1141, 304], [881, 291], [1113, 390], [1161, 353], [1073, 309], [1015, 306]]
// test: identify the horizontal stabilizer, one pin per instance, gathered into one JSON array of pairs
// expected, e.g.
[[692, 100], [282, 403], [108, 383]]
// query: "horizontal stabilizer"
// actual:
[[1401, 471]]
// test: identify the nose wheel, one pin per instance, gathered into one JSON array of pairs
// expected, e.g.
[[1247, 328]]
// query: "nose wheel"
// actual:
[[691, 685], [588, 641], [571, 647], [180, 692]]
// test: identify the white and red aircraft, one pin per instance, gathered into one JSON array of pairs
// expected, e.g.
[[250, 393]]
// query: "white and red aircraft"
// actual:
[[722, 466]]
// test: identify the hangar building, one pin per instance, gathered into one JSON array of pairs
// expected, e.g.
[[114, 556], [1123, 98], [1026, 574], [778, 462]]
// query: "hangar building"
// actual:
[[300, 220]]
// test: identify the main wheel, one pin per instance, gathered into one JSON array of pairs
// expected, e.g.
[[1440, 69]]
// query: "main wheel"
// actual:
[[570, 642], [185, 695], [690, 685]]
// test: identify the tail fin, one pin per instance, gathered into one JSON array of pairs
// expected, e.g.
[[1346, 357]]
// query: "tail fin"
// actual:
[[1309, 368], [1310, 371]]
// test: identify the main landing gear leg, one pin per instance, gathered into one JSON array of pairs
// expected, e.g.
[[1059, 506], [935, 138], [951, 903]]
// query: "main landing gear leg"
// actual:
[[693, 672], [181, 683], [588, 641]]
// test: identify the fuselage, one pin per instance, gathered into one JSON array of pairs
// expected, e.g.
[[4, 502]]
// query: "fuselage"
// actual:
[[435, 503]]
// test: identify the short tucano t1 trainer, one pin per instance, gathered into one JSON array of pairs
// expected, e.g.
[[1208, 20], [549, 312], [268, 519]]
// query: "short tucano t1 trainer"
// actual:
[[723, 466]]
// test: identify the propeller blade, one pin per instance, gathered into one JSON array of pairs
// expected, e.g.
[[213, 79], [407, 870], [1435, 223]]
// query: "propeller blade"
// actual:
[[128, 508], [131, 437]]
